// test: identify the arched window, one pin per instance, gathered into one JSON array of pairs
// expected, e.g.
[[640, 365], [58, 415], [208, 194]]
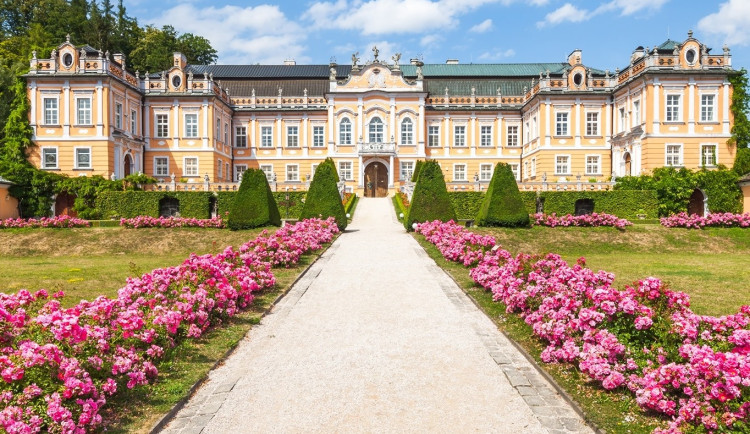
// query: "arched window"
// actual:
[[376, 130], [345, 132], [407, 132]]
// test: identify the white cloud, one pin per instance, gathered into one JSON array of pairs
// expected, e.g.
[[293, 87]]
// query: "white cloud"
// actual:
[[566, 12], [570, 13], [241, 35], [497, 55], [430, 40], [730, 22], [482, 27], [629, 7]]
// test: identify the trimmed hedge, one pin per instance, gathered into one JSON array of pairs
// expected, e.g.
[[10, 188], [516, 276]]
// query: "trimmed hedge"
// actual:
[[129, 204], [417, 168], [351, 204], [503, 205], [323, 199], [253, 204], [466, 203], [399, 204], [296, 201], [430, 200]]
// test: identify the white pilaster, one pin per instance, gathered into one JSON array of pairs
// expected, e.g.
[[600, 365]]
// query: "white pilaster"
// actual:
[[360, 121], [421, 127], [176, 123], [392, 127], [204, 114], [691, 106], [390, 172], [279, 135], [331, 127], [361, 170], [547, 122], [305, 143], [725, 109], [99, 109], [473, 143], [446, 134], [32, 97], [66, 109], [577, 139], [657, 98], [252, 142]]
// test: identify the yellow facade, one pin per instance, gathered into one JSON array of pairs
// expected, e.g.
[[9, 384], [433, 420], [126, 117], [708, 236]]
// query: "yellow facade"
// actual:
[[554, 123]]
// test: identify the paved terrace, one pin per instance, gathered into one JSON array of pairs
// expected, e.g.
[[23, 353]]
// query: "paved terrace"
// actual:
[[376, 338]]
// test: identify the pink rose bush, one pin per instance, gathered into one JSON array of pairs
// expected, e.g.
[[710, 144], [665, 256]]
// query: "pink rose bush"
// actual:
[[589, 220], [59, 365], [171, 222], [694, 221], [61, 221], [693, 369]]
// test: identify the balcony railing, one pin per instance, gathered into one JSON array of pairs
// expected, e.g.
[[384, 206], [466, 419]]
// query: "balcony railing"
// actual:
[[377, 148]]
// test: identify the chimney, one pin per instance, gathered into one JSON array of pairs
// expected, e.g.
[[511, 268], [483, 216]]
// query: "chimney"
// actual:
[[414, 61], [119, 58], [451, 62], [290, 62]]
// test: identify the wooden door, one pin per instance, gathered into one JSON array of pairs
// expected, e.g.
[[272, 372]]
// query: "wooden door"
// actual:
[[64, 204], [127, 165], [376, 180]]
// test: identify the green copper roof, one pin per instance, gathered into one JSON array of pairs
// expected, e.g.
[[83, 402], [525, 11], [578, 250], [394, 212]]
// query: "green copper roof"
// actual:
[[482, 87], [668, 45]]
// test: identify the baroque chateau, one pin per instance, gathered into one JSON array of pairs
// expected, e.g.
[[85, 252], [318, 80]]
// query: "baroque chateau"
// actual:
[[556, 124]]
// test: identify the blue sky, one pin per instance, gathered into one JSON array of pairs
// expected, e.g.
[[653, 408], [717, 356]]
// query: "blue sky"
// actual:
[[472, 31]]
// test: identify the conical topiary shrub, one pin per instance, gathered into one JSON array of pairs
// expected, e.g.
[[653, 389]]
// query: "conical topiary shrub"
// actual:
[[417, 168], [430, 200], [323, 199], [253, 204], [502, 204]]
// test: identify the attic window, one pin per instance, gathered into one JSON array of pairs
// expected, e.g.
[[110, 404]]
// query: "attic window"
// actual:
[[578, 79], [67, 60], [176, 81], [690, 56]]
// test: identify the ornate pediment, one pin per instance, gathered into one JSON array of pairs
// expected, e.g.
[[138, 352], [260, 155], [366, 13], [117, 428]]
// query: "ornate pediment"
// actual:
[[377, 75]]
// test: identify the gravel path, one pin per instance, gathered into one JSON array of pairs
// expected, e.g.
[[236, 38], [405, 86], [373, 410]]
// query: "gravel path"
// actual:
[[376, 338]]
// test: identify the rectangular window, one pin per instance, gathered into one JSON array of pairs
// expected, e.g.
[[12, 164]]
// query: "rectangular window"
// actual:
[[561, 128], [266, 137], [528, 133], [562, 165], [191, 166], [485, 135], [407, 170], [240, 169], [162, 125], [433, 135], [636, 112], [314, 167], [292, 136], [133, 122], [83, 158], [219, 169], [514, 169], [118, 116], [459, 172], [240, 137], [191, 125], [707, 108], [292, 172], [592, 124], [407, 132], [459, 135], [318, 136], [674, 155], [268, 170], [708, 155], [50, 111], [622, 119], [485, 172], [673, 108], [226, 171], [49, 158], [218, 129], [83, 111], [345, 132], [161, 166], [512, 135], [226, 133], [345, 170], [533, 167], [592, 165]]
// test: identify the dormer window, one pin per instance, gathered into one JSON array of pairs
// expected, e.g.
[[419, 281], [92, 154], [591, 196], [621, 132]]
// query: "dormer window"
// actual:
[[578, 79], [690, 56], [67, 60], [176, 81]]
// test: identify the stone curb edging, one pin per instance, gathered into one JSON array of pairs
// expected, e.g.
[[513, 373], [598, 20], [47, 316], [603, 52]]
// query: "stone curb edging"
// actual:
[[167, 418], [577, 408]]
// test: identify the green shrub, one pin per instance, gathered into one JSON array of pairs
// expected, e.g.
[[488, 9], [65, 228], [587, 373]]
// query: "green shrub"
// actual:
[[323, 199], [742, 161], [253, 204], [430, 200], [398, 204], [502, 204], [130, 204], [351, 204], [466, 203], [622, 203], [417, 168]]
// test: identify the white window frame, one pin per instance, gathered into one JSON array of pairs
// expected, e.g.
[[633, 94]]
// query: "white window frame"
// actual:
[[267, 169], [319, 136], [673, 112], [51, 115], [712, 107], [84, 116], [240, 169], [292, 132], [459, 136], [637, 112], [313, 168], [456, 178], [118, 115], [226, 133], [219, 169], [592, 126], [622, 118], [485, 136], [158, 166], [266, 136], [77, 163], [406, 173], [191, 126], [240, 137], [407, 131], [44, 152], [515, 168], [376, 130], [669, 157], [533, 167], [296, 172], [485, 172], [345, 135], [568, 170], [701, 157], [512, 138], [218, 130], [185, 171], [346, 174], [134, 122], [562, 123], [597, 166], [433, 136], [161, 129]]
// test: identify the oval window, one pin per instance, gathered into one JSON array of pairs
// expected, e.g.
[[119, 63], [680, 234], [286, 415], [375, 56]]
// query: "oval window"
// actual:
[[578, 79], [67, 60], [690, 56], [176, 81]]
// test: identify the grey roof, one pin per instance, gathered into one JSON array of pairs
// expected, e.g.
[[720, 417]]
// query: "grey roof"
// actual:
[[668, 45], [290, 87], [89, 50], [486, 69], [269, 71], [482, 87]]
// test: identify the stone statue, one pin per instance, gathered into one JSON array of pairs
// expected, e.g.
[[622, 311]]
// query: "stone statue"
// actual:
[[420, 76], [396, 57], [375, 52], [332, 75], [355, 59]]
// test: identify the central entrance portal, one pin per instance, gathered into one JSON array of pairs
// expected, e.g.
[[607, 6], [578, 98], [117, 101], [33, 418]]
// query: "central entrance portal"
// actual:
[[376, 180]]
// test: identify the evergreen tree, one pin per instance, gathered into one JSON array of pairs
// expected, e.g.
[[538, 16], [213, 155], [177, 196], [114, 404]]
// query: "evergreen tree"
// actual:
[[323, 199], [430, 200], [417, 168], [254, 204], [502, 205]]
